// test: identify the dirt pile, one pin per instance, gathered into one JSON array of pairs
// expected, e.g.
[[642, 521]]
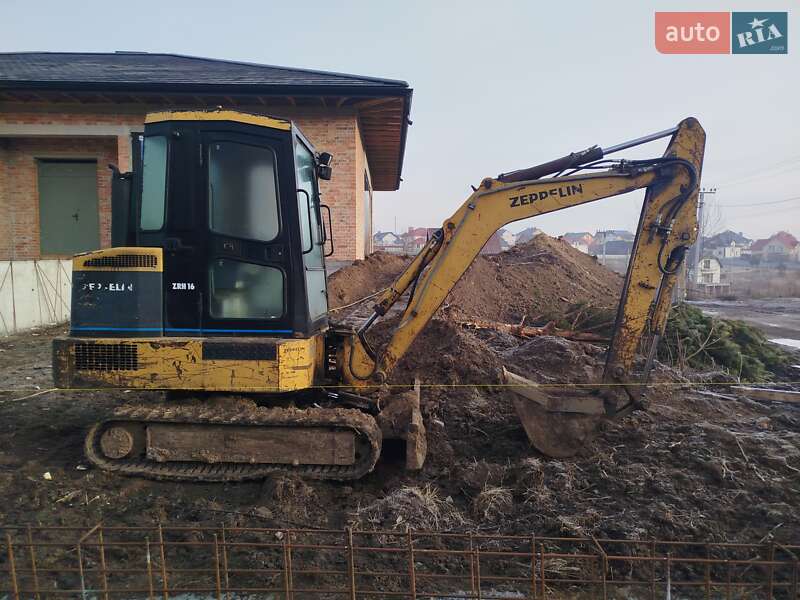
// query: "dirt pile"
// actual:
[[538, 280], [364, 277]]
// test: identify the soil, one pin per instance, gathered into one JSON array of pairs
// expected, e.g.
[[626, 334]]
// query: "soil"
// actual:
[[540, 279], [699, 463]]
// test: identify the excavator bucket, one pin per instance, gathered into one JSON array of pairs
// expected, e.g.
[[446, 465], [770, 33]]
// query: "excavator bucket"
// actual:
[[559, 422]]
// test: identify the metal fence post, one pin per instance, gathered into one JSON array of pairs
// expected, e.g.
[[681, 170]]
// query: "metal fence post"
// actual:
[[533, 567], [34, 572], [217, 574], [541, 570], [103, 575], [287, 565], [412, 573], [728, 591], [149, 560], [653, 570], [351, 563], [12, 569], [162, 550], [80, 570], [478, 569], [225, 564], [770, 569], [471, 566]]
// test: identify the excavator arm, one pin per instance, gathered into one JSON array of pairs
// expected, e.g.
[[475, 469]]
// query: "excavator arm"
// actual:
[[667, 228]]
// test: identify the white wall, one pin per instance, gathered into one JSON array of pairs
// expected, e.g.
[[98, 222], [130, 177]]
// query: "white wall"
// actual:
[[33, 293]]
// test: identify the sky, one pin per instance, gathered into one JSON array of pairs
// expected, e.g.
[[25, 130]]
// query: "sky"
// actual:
[[497, 86]]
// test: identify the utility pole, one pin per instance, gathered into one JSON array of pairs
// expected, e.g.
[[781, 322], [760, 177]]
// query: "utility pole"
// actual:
[[605, 236], [698, 245]]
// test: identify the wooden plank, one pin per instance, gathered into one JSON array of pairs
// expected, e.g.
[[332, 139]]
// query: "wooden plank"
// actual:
[[243, 444], [767, 394]]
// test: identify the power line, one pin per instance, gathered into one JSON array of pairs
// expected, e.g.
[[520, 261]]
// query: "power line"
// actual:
[[760, 203], [784, 165], [769, 212]]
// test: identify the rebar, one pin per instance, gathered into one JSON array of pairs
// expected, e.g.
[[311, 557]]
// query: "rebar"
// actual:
[[107, 562]]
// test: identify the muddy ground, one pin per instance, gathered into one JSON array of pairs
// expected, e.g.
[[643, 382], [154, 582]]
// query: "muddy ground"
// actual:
[[699, 464], [776, 317]]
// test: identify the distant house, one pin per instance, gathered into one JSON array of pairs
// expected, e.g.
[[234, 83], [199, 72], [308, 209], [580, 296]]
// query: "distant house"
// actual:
[[580, 240], [730, 251], [709, 271], [526, 235], [416, 237], [727, 244], [507, 239], [388, 241], [611, 235], [726, 238], [780, 247], [708, 277], [614, 254]]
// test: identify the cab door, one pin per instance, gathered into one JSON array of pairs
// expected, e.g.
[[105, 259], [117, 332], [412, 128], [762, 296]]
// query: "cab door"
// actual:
[[311, 236], [247, 259]]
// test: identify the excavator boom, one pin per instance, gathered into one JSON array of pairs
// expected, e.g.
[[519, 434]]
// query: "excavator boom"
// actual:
[[667, 228]]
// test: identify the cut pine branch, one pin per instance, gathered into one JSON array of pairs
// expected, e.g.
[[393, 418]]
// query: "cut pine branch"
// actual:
[[524, 331]]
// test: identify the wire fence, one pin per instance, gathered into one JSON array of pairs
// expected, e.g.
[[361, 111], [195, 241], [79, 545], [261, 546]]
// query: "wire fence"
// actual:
[[231, 563]]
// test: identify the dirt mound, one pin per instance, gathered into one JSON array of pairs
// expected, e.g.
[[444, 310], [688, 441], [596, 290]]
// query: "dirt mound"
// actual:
[[364, 277], [539, 280]]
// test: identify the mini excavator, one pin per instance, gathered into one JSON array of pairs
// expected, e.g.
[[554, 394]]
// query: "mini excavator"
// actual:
[[214, 296]]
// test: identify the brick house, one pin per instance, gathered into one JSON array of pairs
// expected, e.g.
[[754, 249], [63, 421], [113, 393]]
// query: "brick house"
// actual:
[[83, 108], [65, 116], [779, 247]]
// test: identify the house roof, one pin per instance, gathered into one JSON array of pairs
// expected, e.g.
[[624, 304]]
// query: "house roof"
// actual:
[[725, 238], [119, 69], [612, 248], [784, 237], [383, 105], [575, 236]]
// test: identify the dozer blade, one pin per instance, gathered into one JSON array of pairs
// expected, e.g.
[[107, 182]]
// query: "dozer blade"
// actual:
[[401, 418], [558, 423]]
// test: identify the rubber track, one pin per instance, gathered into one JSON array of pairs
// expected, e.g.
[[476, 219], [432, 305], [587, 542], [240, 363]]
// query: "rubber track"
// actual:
[[242, 415]]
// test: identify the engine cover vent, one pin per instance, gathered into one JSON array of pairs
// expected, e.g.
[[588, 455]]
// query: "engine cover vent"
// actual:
[[123, 261], [106, 357]]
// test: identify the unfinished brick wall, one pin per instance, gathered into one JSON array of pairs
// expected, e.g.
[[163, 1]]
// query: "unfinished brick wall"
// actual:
[[334, 131], [5, 238]]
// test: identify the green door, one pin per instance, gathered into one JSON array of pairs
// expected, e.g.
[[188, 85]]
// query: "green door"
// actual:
[[68, 212]]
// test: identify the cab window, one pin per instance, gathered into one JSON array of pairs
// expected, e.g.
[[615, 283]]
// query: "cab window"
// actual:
[[154, 183], [243, 191]]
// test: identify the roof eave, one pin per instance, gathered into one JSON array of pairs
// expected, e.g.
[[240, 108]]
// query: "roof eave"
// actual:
[[248, 89]]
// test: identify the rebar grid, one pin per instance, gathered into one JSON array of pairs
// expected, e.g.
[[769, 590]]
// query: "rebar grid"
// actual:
[[159, 562]]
